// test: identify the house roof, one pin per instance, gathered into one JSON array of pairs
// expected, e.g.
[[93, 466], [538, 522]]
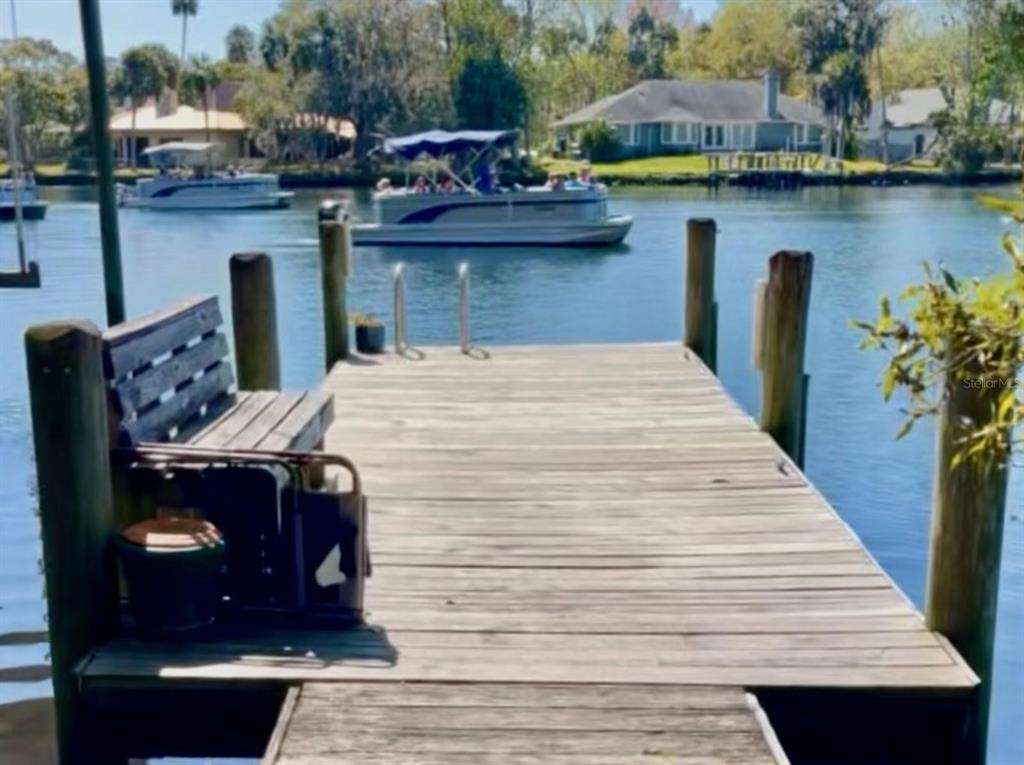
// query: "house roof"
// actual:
[[185, 119], [914, 107], [189, 119], [692, 101]]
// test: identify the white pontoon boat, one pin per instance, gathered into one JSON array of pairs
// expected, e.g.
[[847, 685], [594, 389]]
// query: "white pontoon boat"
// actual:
[[21, 190], [187, 181], [466, 214]]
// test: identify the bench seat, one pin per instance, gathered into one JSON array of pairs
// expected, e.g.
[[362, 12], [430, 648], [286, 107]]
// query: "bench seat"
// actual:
[[269, 421]]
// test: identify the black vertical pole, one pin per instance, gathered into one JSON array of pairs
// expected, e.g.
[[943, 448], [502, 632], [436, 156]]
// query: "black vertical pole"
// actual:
[[99, 128]]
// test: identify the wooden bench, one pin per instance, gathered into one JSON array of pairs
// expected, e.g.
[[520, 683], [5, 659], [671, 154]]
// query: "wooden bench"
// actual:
[[170, 382]]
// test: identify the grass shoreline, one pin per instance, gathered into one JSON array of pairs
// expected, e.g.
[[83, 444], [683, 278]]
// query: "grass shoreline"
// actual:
[[691, 170]]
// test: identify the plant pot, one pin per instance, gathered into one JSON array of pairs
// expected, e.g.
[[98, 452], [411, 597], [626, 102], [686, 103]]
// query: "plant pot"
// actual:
[[172, 567], [370, 338]]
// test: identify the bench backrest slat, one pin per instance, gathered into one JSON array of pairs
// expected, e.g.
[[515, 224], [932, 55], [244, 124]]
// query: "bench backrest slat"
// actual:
[[134, 344], [185, 405], [167, 370]]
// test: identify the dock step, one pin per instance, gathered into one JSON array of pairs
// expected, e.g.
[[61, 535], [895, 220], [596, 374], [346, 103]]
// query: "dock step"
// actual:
[[520, 724]]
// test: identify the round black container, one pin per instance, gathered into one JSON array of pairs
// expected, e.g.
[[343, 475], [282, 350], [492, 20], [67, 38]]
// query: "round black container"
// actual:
[[173, 570], [370, 338]]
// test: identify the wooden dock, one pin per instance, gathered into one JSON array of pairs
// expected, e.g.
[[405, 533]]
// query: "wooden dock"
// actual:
[[582, 554]]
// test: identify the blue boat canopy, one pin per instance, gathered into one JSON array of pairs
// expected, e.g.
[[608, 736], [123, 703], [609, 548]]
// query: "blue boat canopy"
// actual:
[[439, 142]]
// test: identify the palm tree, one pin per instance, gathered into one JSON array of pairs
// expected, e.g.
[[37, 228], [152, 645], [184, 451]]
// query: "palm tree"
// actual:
[[141, 76], [184, 8], [201, 77]]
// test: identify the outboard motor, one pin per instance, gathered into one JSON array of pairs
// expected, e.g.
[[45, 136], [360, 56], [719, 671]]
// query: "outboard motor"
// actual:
[[332, 211]]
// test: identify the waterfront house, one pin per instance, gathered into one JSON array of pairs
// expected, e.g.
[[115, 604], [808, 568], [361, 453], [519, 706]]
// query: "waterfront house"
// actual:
[[909, 125], [658, 117], [164, 121]]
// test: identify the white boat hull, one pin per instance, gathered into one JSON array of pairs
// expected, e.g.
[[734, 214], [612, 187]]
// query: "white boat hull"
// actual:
[[608, 231], [276, 200]]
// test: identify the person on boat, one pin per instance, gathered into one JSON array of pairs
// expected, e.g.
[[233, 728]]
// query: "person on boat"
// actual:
[[483, 174], [585, 176], [421, 186], [556, 182], [447, 186], [384, 186], [575, 183]]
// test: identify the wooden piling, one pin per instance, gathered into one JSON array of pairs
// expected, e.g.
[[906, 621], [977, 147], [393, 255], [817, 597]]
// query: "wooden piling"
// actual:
[[783, 387], [699, 305], [335, 267], [254, 318], [69, 425], [968, 511]]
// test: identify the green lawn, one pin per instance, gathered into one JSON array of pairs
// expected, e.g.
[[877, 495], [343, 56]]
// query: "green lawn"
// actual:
[[58, 168], [697, 165], [687, 164]]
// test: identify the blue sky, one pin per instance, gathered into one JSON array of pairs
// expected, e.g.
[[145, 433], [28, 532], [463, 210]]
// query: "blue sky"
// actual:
[[130, 22]]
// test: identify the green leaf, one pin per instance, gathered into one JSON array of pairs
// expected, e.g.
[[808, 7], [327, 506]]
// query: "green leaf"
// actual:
[[950, 280]]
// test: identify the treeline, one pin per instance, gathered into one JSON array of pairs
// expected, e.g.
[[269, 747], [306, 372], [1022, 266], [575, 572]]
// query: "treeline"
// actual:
[[391, 66]]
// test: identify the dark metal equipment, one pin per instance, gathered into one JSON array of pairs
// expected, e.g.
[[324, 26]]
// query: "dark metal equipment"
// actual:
[[291, 548]]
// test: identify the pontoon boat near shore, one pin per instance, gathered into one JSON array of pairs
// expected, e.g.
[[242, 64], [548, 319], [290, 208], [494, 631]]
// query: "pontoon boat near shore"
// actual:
[[187, 181], [470, 208], [21, 190]]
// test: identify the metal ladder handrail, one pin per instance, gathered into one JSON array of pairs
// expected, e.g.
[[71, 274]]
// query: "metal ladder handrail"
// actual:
[[401, 338], [465, 341]]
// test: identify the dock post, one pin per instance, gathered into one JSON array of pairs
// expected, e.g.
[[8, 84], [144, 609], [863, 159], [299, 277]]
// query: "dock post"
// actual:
[[335, 267], [69, 427], [699, 305], [968, 512], [783, 383], [254, 318]]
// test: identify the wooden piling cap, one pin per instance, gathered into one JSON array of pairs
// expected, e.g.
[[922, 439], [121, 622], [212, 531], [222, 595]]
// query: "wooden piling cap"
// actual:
[[172, 534]]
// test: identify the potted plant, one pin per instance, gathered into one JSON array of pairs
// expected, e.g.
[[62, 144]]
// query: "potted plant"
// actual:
[[370, 333]]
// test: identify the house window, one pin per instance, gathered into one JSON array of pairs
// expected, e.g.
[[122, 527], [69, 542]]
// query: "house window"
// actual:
[[628, 132], [714, 136], [677, 133], [742, 135]]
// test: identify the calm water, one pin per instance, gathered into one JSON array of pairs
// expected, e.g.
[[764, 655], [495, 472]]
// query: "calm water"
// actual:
[[866, 241]]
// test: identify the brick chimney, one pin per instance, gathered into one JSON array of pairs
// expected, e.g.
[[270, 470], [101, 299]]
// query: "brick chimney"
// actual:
[[167, 104], [770, 78]]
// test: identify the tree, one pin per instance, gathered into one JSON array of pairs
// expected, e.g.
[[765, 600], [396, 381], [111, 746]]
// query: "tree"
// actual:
[[377, 64], [743, 38], [489, 94], [184, 8], [49, 92], [142, 75], [599, 142], [651, 41], [201, 77], [837, 38], [268, 102], [240, 45]]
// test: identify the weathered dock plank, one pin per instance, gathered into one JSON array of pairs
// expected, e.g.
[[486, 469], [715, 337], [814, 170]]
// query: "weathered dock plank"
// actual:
[[568, 522], [519, 724]]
